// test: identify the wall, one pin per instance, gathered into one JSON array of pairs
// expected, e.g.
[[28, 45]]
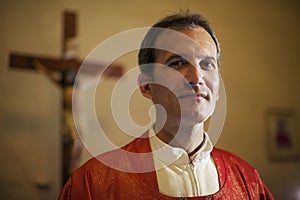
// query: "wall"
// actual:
[[259, 42], [260, 71], [29, 104]]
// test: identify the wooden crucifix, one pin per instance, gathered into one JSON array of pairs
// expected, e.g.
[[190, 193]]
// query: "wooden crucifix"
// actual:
[[63, 72]]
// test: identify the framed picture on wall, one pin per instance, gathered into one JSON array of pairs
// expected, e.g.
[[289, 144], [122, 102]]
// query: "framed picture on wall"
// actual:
[[282, 134]]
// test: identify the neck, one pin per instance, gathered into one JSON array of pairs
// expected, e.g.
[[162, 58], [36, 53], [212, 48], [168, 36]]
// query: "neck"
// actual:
[[188, 138]]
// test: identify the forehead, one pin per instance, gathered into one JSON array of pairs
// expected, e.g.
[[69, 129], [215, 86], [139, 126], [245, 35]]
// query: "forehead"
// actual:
[[195, 40]]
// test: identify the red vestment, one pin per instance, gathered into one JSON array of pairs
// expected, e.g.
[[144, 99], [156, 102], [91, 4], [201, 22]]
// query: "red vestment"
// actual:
[[95, 180]]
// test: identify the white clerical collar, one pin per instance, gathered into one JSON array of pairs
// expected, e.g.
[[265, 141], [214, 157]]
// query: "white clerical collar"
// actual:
[[175, 155]]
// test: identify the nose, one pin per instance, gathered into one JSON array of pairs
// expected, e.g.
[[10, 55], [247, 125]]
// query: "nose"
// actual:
[[195, 76]]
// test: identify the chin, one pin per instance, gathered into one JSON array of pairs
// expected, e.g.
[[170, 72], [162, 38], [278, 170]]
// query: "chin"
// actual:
[[191, 121], [197, 116]]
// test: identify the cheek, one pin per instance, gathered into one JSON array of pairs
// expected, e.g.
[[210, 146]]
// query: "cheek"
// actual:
[[162, 94], [169, 78], [167, 99], [213, 82]]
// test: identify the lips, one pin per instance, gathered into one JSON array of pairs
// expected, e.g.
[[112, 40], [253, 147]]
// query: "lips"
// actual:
[[197, 95]]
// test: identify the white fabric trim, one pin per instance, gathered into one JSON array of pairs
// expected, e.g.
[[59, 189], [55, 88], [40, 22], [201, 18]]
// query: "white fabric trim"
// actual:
[[178, 175]]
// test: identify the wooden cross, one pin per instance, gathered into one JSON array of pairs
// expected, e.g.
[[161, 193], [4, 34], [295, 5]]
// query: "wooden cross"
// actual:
[[63, 72]]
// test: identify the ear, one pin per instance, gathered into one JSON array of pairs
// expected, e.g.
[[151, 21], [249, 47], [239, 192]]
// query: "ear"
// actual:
[[143, 82]]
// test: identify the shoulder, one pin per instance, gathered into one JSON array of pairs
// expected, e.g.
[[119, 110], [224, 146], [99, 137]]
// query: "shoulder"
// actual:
[[127, 158], [91, 167], [231, 160], [234, 172], [83, 180], [231, 165]]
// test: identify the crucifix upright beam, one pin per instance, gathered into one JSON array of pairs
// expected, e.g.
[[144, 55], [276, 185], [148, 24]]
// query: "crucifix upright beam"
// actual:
[[70, 29], [60, 70]]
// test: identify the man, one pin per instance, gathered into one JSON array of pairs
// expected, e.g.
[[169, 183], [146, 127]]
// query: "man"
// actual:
[[179, 61]]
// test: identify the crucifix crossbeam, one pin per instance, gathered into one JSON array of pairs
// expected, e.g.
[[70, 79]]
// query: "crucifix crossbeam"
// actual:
[[26, 61]]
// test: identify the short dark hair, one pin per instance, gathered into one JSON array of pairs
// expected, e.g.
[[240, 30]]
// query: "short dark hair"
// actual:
[[179, 21]]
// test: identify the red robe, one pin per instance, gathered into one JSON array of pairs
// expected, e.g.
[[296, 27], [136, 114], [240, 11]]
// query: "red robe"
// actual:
[[95, 180]]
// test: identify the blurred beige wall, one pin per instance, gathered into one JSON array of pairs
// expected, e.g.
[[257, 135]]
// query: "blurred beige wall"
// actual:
[[259, 42]]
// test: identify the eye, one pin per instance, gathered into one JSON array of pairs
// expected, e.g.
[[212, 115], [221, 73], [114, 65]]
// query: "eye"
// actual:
[[207, 65], [178, 64]]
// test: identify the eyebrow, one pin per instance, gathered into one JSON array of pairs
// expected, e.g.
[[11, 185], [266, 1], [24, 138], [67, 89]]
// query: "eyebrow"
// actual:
[[210, 58], [176, 56]]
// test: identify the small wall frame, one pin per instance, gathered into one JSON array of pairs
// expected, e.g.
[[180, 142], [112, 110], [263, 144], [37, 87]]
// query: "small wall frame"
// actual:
[[282, 134]]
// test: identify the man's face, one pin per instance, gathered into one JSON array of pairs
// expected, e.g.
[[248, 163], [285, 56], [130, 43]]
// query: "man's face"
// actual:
[[186, 78]]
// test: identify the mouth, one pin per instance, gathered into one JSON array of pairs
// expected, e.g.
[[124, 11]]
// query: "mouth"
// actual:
[[197, 95]]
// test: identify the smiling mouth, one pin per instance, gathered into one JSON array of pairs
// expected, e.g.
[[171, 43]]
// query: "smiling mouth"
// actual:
[[198, 95]]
